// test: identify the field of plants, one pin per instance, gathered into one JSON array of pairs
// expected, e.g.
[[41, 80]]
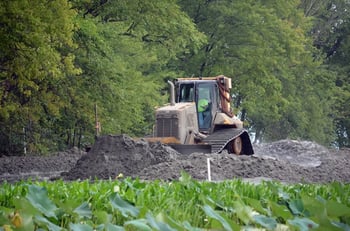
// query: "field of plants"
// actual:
[[185, 204]]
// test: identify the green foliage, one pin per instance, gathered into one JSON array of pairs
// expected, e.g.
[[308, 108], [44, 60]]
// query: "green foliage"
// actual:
[[339, 64], [330, 34], [58, 59], [278, 82], [181, 205], [123, 51], [38, 198], [35, 56]]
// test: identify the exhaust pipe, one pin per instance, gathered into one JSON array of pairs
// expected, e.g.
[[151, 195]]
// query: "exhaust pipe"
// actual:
[[172, 93]]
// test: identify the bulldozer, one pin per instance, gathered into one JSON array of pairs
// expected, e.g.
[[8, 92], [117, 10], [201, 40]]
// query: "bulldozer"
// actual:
[[199, 118]]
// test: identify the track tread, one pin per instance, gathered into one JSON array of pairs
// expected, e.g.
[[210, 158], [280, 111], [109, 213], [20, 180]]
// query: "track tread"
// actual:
[[219, 139]]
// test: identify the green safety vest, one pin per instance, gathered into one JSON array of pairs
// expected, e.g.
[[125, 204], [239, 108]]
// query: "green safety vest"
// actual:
[[202, 105]]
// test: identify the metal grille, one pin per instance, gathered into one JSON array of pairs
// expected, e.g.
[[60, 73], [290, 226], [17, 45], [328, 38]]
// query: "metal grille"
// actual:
[[167, 127]]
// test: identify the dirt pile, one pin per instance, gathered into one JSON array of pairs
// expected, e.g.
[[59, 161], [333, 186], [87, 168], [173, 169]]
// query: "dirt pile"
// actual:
[[226, 166], [112, 155], [284, 160], [303, 153]]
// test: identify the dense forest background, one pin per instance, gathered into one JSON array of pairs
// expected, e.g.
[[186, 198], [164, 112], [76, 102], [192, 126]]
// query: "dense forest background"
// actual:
[[289, 62]]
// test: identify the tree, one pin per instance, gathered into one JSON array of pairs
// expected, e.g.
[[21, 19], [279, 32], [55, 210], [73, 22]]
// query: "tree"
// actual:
[[124, 50], [35, 54], [339, 64], [263, 46], [330, 33]]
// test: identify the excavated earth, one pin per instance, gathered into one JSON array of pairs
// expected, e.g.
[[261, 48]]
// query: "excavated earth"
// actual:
[[288, 161]]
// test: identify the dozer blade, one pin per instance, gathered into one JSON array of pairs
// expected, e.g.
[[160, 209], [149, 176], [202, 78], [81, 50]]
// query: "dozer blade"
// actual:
[[164, 140], [191, 148], [181, 148]]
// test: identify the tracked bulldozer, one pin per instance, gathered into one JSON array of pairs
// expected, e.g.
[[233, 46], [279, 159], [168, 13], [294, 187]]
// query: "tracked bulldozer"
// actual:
[[199, 118]]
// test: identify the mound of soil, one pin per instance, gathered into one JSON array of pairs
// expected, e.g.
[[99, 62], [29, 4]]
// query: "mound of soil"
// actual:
[[114, 155], [285, 160], [257, 167]]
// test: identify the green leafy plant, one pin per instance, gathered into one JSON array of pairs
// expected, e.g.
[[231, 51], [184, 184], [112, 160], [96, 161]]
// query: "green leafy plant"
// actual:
[[186, 204]]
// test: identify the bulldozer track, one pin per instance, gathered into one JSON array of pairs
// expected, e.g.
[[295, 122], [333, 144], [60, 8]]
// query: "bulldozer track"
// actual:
[[219, 139]]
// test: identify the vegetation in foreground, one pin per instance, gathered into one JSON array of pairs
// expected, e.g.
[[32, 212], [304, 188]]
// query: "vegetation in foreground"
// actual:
[[131, 204]]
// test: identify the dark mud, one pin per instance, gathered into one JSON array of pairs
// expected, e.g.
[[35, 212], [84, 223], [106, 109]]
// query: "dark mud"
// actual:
[[286, 160], [16, 168]]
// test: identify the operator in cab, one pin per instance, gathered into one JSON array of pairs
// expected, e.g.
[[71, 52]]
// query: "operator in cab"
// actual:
[[203, 105]]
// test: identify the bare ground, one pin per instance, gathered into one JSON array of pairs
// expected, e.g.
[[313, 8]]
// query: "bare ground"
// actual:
[[286, 160]]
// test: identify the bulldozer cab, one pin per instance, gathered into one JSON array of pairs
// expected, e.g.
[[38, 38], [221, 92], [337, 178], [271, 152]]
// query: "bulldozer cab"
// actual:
[[205, 94]]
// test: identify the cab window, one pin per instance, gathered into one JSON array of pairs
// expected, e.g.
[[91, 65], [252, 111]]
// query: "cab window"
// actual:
[[186, 93]]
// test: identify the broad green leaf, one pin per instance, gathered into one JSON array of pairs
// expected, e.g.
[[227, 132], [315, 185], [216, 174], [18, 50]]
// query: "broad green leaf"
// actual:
[[256, 205], [280, 211], [4, 214], [108, 227], [243, 212], [341, 225], [39, 199], [214, 215], [158, 225], [296, 207], [285, 196], [27, 206], [80, 227], [137, 225], [335, 209], [111, 227], [304, 224], [100, 227], [314, 206], [217, 204], [124, 207], [45, 223], [143, 212], [83, 210], [189, 227], [102, 217], [267, 222], [168, 220], [130, 194], [326, 224]]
